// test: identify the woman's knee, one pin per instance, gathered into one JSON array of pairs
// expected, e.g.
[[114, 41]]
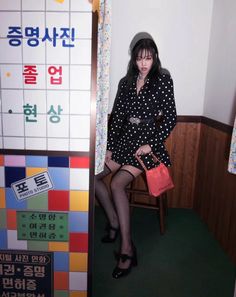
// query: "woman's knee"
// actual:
[[121, 180], [102, 174], [117, 183]]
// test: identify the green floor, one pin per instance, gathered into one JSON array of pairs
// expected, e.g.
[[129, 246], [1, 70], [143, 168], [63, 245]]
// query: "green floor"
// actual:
[[185, 262]]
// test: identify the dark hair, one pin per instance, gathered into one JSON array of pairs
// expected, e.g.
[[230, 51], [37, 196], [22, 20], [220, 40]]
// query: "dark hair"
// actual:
[[148, 45]]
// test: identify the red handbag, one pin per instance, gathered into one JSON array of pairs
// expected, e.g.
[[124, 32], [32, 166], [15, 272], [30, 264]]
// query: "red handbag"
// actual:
[[158, 178]]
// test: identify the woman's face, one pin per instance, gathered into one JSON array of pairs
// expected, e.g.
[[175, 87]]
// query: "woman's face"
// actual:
[[144, 62]]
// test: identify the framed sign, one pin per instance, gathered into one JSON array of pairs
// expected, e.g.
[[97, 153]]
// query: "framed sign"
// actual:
[[31, 186], [43, 226], [26, 274]]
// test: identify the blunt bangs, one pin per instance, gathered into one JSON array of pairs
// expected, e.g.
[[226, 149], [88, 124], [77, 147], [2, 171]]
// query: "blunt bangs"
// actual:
[[146, 46]]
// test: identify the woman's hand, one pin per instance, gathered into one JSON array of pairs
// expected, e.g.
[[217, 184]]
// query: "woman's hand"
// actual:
[[143, 150], [108, 156]]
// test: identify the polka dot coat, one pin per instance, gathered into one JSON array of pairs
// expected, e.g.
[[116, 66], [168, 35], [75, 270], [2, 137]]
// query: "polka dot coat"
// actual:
[[155, 99]]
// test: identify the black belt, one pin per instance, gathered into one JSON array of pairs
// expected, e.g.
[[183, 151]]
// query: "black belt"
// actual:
[[138, 121]]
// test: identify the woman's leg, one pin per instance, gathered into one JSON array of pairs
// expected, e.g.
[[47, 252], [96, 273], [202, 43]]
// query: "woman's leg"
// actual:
[[103, 196], [118, 185]]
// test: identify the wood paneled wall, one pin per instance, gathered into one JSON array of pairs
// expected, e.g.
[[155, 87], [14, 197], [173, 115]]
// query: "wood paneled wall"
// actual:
[[183, 146], [215, 188]]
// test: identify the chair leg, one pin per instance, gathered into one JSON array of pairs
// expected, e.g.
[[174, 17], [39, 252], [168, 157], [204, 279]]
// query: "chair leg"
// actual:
[[161, 201], [165, 201], [161, 215]]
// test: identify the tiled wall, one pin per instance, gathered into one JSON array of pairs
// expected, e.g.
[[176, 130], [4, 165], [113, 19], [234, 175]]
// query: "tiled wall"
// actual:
[[45, 74], [70, 176], [45, 94]]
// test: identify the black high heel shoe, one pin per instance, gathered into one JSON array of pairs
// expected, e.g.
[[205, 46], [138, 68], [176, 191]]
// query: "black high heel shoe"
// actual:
[[120, 272], [107, 238]]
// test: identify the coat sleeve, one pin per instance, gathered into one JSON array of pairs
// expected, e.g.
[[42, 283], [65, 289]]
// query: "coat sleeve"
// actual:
[[117, 117], [168, 113]]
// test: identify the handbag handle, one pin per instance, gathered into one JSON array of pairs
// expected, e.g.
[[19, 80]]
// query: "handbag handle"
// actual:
[[155, 160]]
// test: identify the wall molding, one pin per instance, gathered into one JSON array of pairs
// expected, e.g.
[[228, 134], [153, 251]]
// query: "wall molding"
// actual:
[[207, 121], [217, 125], [189, 119]]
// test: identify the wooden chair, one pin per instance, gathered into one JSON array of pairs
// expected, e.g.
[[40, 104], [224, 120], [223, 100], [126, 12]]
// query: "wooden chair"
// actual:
[[138, 188]]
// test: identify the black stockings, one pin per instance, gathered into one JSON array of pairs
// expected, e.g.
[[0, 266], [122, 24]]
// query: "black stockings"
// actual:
[[118, 184], [103, 198], [120, 215]]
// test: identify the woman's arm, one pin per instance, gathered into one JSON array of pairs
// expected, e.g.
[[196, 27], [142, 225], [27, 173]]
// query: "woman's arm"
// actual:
[[168, 110], [117, 117]]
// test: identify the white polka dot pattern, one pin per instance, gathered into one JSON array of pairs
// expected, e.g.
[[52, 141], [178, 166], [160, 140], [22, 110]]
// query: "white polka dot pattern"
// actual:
[[124, 138]]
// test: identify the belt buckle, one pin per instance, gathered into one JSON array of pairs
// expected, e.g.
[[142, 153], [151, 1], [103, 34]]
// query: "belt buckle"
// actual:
[[136, 121]]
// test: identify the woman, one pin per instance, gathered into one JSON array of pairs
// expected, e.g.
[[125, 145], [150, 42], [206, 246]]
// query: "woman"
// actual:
[[144, 95]]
